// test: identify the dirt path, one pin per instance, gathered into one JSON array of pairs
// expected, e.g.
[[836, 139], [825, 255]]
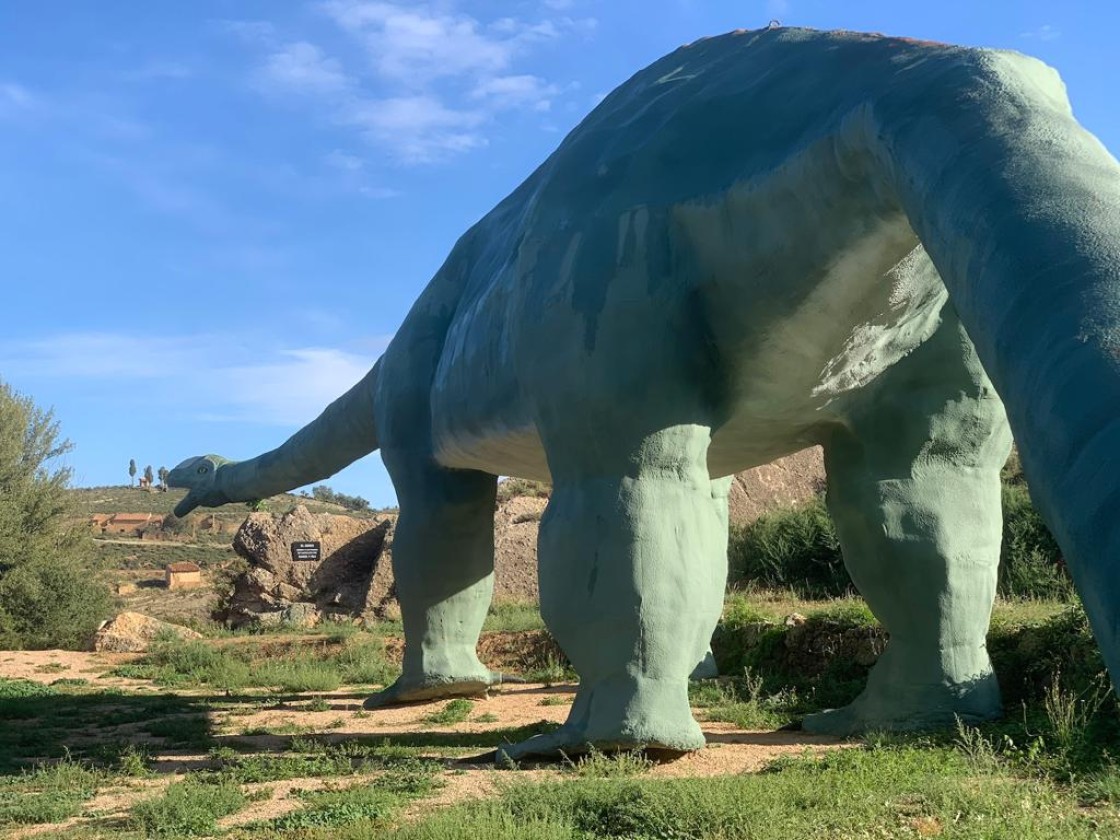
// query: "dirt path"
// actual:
[[267, 727]]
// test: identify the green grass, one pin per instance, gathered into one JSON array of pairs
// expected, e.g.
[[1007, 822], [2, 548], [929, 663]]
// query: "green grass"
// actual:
[[245, 769], [48, 793], [138, 554], [364, 807], [453, 712], [744, 702], [122, 498], [187, 808], [513, 617], [856, 793], [318, 665]]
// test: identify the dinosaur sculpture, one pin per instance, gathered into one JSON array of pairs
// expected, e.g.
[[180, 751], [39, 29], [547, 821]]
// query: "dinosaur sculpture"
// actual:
[[765, 240]]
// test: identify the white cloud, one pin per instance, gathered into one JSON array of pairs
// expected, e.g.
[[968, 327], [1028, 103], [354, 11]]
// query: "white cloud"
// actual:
[[515, 91], [301, 67], [415, 45], [202, 376], [15, 100], [339, 159], [1046, 32], [430, 78], [419, 129], [294, 388]]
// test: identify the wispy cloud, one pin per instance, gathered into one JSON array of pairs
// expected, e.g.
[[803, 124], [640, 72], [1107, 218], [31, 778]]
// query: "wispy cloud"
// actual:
[[430, 78], [301, 67], [777, 8], [200, 376], [15, 100], [1046, 32]]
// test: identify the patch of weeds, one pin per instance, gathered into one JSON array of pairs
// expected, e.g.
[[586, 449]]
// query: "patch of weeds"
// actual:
[[455, 711], [598, 765], [181, 730], [49, 793], [513, 617], [555, 700], [744, 703], [298, 674], [362, 661], [319, 704], [69, 682], [51, 668], [187, 808], [245, 769], [486, 717], [553, 670], [371, 802]]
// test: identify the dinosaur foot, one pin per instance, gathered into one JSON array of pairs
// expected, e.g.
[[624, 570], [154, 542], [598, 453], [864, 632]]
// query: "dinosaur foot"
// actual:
[[912, 710], [618, 715], [566, 743], [438, 688]]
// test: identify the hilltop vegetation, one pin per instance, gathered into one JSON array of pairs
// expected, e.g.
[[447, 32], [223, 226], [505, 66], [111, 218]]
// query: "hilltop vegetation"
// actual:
[[119, 498]]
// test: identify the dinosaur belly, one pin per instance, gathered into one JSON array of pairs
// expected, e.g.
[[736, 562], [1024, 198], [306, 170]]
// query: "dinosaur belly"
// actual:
[[809, 368]]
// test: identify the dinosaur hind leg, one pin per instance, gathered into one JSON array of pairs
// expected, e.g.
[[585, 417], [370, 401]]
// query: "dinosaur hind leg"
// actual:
[[913, 486], [443, 565]]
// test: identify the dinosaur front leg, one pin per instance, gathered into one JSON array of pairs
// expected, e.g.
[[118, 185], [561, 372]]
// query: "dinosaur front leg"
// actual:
[[913, 486], [632, 554], [443, 565]]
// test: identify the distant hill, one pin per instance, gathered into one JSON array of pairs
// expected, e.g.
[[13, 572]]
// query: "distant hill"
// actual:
[[122, 498]]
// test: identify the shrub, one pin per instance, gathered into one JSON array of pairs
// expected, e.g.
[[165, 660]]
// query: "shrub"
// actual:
[[799, 549], [323, 493], [49, 594], [792, 549], [1031, 563]]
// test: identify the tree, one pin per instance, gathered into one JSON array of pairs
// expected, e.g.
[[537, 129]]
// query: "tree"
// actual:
[[131, 471], [49, 593], [163, 473], [148, 476]]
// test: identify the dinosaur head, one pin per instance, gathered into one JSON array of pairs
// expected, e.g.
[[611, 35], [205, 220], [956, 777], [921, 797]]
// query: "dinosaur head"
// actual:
[[199, 475]]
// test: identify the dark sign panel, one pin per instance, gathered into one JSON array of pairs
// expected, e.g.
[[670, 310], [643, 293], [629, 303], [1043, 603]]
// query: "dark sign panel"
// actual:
[[306, 550]]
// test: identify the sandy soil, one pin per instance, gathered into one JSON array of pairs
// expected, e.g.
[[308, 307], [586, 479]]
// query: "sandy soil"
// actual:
[[729, 751]]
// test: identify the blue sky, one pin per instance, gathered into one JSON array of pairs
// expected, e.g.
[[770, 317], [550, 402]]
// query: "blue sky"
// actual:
[[214, 215]]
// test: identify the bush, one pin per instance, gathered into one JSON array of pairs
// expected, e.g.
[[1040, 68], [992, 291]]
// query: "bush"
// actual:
[[798, 549], [323, 493], [1031, 564], [792, 549], [49, 594]]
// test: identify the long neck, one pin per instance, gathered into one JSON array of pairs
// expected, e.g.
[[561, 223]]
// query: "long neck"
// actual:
[[342, 434]]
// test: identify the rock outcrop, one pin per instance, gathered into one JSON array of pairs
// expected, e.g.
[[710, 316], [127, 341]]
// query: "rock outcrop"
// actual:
[[785, 483], [351, 576], [133, 632]]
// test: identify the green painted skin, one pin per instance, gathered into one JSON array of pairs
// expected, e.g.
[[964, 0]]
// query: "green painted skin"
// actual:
[[763, 241]]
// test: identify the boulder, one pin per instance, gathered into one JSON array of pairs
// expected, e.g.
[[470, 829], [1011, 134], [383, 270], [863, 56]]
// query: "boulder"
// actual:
[[352, 575], [132, 632]]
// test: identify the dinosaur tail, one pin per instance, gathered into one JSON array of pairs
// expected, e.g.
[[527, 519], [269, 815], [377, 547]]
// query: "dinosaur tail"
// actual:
[[345, 431], [1019, 208]]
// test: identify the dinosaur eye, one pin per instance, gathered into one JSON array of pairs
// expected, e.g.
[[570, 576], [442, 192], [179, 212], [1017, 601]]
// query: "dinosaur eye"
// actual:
[[203, 470]]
